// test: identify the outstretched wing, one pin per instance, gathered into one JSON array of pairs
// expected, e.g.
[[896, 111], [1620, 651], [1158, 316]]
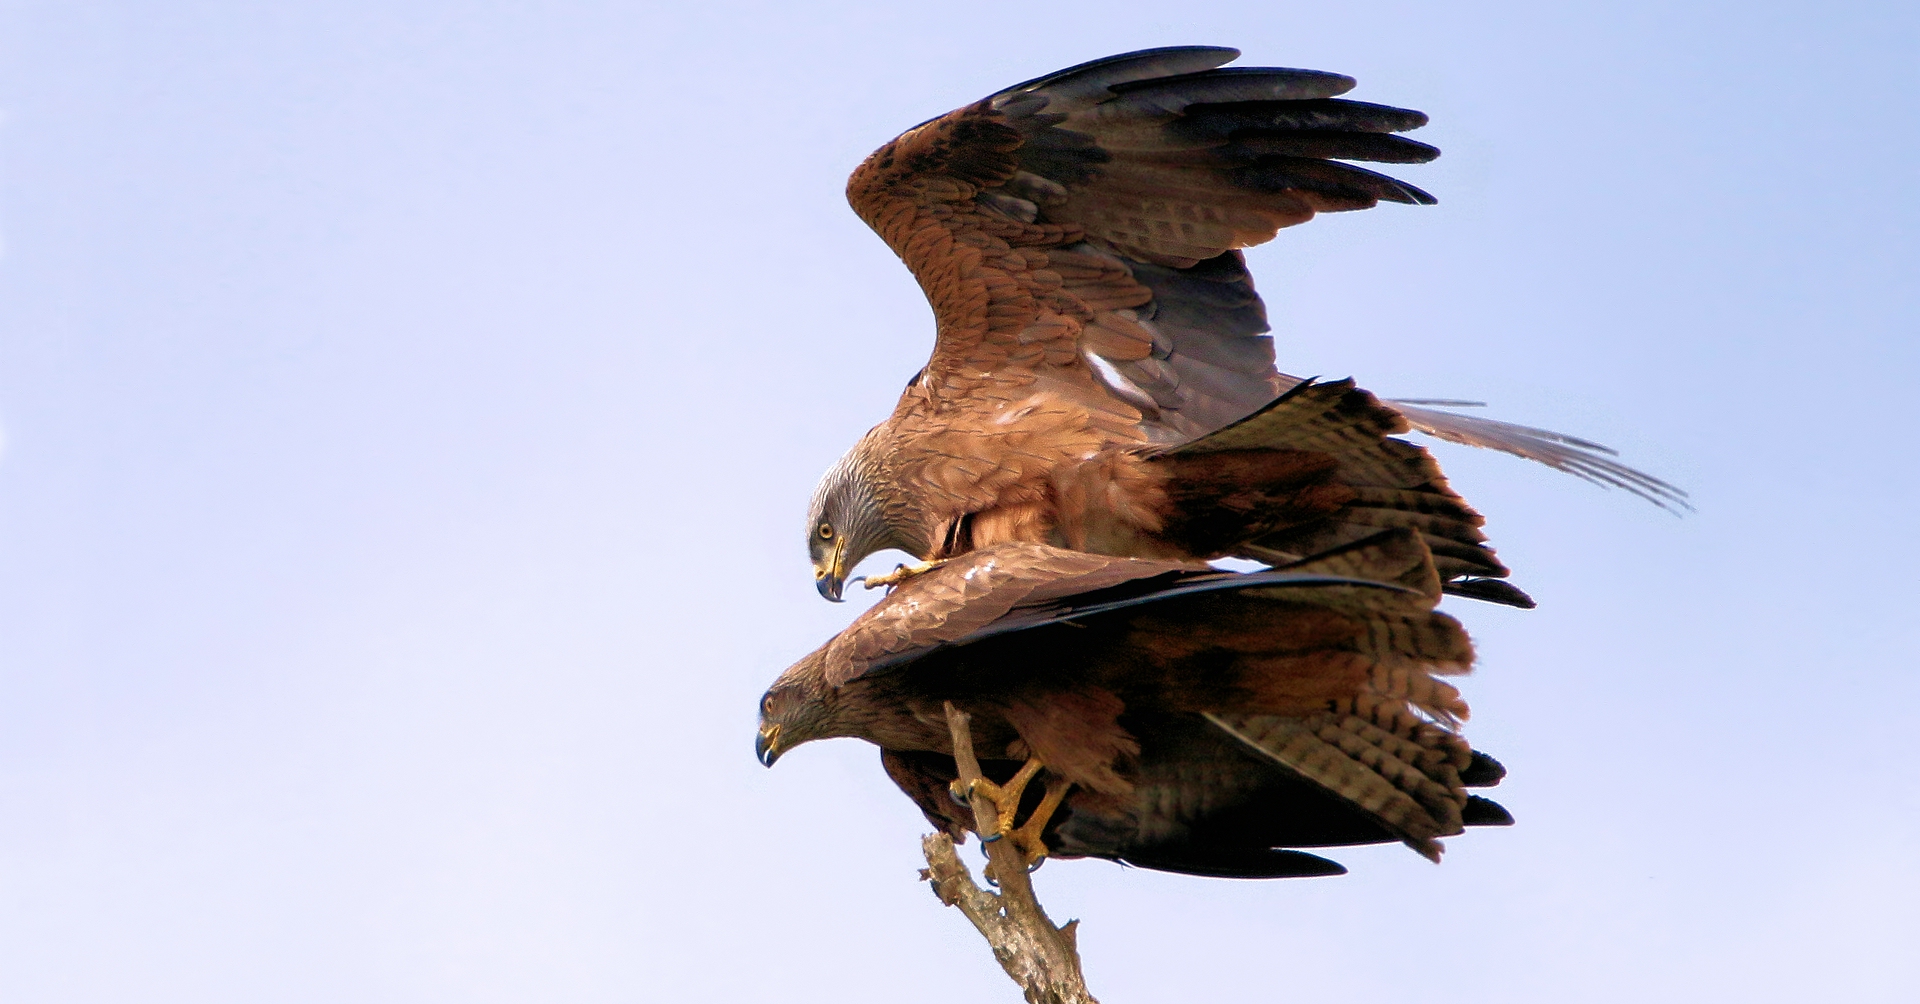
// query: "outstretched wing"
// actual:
[[1011, 587], [1077, 233], [971, 592]]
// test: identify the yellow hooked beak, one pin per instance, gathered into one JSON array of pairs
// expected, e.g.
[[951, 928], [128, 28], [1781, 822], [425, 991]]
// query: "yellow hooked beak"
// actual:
[[830, 573], [766, 746]]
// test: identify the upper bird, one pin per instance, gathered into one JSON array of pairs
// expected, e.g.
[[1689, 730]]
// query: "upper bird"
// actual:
[[1077, 236]]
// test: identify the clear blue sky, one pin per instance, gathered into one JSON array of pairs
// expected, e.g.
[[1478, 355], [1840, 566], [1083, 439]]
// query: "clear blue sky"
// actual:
[[409, 411]]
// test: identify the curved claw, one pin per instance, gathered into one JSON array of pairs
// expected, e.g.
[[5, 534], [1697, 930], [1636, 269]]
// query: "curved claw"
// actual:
[[901, 573], [893, 578]]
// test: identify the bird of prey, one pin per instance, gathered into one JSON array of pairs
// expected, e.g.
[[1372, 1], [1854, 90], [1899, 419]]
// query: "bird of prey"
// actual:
[[1077, 236], [1185, 719]]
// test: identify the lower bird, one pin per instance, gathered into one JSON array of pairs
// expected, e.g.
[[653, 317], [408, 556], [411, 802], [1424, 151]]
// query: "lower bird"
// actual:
[[1178, 718]]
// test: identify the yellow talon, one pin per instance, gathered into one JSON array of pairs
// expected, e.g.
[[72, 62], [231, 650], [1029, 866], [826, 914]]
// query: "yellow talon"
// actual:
[[1029, 838], [902, 573]]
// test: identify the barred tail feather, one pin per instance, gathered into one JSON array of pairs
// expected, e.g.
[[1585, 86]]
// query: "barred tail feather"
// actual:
[[1375, 482], [1367, 767]]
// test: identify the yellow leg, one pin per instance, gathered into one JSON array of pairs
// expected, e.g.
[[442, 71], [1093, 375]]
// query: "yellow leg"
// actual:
[[901, 573], [1006, 802], [1030, 838]]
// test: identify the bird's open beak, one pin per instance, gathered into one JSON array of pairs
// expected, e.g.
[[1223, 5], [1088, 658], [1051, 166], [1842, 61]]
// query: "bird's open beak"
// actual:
[[766, 745], [830, 576]]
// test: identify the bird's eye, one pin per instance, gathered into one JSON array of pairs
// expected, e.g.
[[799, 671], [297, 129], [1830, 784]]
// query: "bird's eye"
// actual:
[[766, 705], [826, 531]]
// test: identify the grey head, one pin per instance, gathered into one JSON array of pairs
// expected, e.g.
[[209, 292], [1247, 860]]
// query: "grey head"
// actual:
[[854, 515]]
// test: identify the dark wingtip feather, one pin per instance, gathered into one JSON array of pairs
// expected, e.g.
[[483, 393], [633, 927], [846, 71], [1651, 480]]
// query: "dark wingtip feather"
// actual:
[[1378, 148], [1242, 83], [1344, 115], [1485, 812], [1418, 196], [1490, 590], [1327, 177], [1195, 56], [1237, 862], [1483, 772]]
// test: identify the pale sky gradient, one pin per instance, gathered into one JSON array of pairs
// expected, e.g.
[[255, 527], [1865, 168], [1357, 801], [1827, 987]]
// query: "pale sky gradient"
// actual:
[[409, 411]]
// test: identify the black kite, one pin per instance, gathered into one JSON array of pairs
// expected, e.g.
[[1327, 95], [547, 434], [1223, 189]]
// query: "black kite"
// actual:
[[1077, 236], [1187, 719]]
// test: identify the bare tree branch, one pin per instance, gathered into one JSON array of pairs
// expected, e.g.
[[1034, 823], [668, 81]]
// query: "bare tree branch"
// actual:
[[1040, 957]]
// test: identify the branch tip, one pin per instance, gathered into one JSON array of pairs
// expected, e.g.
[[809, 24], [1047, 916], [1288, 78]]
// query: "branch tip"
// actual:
[[1043, 959]]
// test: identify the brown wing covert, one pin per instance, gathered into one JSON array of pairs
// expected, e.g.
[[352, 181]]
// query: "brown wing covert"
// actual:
[[1079, 231]]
